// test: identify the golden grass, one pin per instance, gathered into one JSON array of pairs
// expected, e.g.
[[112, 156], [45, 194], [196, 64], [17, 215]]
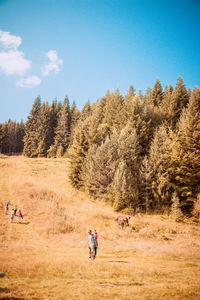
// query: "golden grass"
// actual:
[[46, 256]]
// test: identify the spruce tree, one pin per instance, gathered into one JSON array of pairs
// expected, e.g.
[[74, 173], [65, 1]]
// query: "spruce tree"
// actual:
[[20, 132], [122, 191], [185, 161], [4, 139], [159, 151], [77, 155], [75, 115], [112, 116], [157, 94], [98, 128], [85, 112], [100, 165], [179, 101], [146, 179], [142, 119], [31, 138], [63, 131], [165, 107], [44, 131], [126, 194]]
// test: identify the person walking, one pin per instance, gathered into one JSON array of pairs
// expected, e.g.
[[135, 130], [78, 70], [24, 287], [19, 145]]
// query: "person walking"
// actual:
[[91, 248], [15, 209], [96, 242], [11, 215], [6, 207], [20, 216]]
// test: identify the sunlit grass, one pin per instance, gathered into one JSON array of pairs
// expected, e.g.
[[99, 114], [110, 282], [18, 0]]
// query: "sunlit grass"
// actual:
[[46, 257]]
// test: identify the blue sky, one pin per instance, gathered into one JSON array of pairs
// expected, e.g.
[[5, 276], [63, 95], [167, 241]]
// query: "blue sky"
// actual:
[[82, 48]]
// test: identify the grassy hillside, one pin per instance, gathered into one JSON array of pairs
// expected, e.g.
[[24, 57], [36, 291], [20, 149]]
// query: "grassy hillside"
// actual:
[[46, 256]]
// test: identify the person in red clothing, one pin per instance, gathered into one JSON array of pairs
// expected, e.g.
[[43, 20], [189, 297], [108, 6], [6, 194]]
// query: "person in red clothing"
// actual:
[[19, 216]]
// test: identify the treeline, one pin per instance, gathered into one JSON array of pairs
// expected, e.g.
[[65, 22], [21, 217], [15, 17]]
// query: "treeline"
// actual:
[[49, 128], [139, 152], [11, 137]]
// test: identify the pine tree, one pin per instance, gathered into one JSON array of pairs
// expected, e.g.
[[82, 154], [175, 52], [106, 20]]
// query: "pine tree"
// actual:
[[157, 94], [75, 115], [85, 112], [165, 107], [98, 129], [4, 142], [31, 138], [122, 191], [12, 138], [175, 207], [99, 167], [44, 130], [77, 155], [142, 119], [112, 116], [146, 179], [185, 161], [158, 160], [20, 132], [63, 131], [126, 194], [179, 101], [127, 107], [148, 96]]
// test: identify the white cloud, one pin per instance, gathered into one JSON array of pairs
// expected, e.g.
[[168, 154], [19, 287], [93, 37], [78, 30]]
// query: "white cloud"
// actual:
[[54, 63], [9, 41], [29, 82], [14, 63]]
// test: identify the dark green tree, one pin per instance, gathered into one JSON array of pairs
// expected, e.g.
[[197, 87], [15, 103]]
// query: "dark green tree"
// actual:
[[62, 133], [31, 138], [77, 155], [44, 130]]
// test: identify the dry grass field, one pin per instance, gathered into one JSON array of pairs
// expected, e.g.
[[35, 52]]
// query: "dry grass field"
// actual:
[[46, 256]]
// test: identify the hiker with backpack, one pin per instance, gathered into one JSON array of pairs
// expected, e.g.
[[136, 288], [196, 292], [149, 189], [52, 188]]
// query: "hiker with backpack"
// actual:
[[20, 216]]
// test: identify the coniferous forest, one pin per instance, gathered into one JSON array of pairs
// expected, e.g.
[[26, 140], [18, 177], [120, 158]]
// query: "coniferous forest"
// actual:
[[140, 153]]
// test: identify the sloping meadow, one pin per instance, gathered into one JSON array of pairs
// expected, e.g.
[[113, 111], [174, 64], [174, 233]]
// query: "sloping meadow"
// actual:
[[46, 257]]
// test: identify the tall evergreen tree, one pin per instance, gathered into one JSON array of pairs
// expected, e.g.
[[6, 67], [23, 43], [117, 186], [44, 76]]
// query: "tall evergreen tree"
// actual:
[[4, 142], [44, 130], [158, 160], [31, 138], [63, 130], [179, 101], [146, 179], [77, 155], [126, 194], [112, 116], [85, 112], [99, 167], [75, 115], [165, 107], [185, 161], [142, 119], [157, 94], [20, 132]]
